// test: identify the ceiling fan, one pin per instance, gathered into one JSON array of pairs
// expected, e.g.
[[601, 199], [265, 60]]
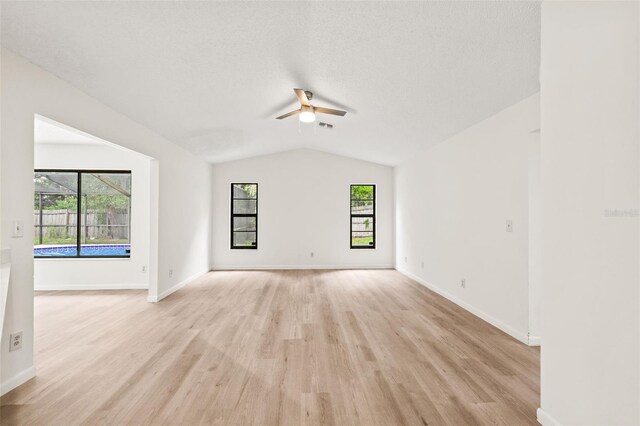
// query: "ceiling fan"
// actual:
[[307, 111]]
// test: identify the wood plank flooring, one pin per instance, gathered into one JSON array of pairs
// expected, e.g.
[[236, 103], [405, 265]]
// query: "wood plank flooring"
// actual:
[[354, 347]]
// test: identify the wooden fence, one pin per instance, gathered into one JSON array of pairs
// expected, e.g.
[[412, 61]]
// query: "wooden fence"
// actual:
[[362, 227], [62, 224]]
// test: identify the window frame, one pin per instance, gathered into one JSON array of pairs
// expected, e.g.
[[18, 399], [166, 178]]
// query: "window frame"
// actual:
[[79, 225], [233, 215], [352, 215]]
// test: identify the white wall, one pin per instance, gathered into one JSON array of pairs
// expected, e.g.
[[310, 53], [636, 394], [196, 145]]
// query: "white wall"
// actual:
[[303, 207], [452, 203], [589, 169], [72, 274], [181, 181]]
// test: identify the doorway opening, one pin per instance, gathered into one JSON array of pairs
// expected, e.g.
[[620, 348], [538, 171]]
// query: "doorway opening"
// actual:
[[95, 212]]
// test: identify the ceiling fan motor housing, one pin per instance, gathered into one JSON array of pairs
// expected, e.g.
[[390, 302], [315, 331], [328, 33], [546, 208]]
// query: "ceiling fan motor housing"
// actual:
[[309, 94]]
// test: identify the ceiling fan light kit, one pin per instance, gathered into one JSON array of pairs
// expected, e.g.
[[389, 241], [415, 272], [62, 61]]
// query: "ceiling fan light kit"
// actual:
[[307, 111], [307, 115]]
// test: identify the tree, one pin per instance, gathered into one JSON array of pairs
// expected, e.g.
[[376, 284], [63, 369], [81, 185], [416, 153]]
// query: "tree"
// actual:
[[361, 195]]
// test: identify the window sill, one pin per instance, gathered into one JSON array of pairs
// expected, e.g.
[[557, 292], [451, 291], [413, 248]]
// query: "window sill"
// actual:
[[83, 258]]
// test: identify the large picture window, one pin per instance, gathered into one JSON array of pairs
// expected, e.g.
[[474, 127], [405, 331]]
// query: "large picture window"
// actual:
[[363, 216], [244, 215], [82, 213]]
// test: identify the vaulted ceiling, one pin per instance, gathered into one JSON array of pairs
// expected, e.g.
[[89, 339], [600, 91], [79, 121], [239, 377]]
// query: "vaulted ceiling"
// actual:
[[212, 77]]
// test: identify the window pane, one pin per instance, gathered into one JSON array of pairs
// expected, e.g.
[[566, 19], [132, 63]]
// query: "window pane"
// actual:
[[362, 224], [106, 210], [362, 239], [56, 182], [244, 206], [241, 239], [362, 192], [362, 207], [244, 224], [55, 213], [245, 190], [362, 231]]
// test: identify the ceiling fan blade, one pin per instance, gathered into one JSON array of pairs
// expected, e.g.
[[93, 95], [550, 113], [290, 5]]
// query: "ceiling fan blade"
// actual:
[[330, 111], [302, 97], [289, 114]]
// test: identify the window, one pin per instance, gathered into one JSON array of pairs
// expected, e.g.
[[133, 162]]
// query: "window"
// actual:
[[244, 215], [363, 216], [82, 213]]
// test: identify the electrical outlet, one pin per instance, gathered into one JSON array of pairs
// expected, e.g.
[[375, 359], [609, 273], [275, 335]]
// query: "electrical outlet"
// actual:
[[509, 226], [170, 273], [311, 254], [144, 268], [15, 341], [422, 264], [463, 283], [405, 259]]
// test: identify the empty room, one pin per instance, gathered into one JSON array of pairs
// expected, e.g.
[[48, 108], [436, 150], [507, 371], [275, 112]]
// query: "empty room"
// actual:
[[320, 212]]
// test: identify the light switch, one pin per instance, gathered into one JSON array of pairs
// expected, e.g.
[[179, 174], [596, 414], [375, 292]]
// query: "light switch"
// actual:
[[509, 226], [18, 229]]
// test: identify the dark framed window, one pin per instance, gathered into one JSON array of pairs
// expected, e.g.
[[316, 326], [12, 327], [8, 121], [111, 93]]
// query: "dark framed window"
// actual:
[[82, 213], [363, 217], [244, 216]]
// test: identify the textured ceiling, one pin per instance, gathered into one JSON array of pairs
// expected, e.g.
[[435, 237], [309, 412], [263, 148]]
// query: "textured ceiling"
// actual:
[[212, 76]]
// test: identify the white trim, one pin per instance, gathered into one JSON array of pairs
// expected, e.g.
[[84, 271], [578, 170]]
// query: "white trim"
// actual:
[[80, 287], [269, 267], [545, 419], [17, 380], [534, 340], [155, 299], [477, 312]]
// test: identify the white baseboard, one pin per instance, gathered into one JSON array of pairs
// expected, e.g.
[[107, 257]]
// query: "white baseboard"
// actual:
[[80, 287], [276, 267], [477, 312], [545, 419], [154, 299], [534, 340], [17, 380]]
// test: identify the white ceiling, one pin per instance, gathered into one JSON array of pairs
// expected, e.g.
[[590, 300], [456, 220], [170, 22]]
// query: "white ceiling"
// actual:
[[213, 76]]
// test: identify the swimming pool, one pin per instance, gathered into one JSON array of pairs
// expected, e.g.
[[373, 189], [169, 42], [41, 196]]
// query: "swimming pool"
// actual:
[[85, 250]]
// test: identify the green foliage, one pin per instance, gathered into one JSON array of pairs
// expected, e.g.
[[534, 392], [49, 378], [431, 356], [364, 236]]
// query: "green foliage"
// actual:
[[55, 202], [362, 192], [91, 202], [52, 240], [362, 241], [104, 202], [250, 189]]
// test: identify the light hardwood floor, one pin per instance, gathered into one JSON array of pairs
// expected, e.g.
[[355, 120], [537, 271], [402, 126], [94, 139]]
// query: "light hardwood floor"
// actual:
[[349, 347]]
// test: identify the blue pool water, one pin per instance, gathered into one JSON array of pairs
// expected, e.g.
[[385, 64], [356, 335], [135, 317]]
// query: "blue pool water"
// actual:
[[85, 250]]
